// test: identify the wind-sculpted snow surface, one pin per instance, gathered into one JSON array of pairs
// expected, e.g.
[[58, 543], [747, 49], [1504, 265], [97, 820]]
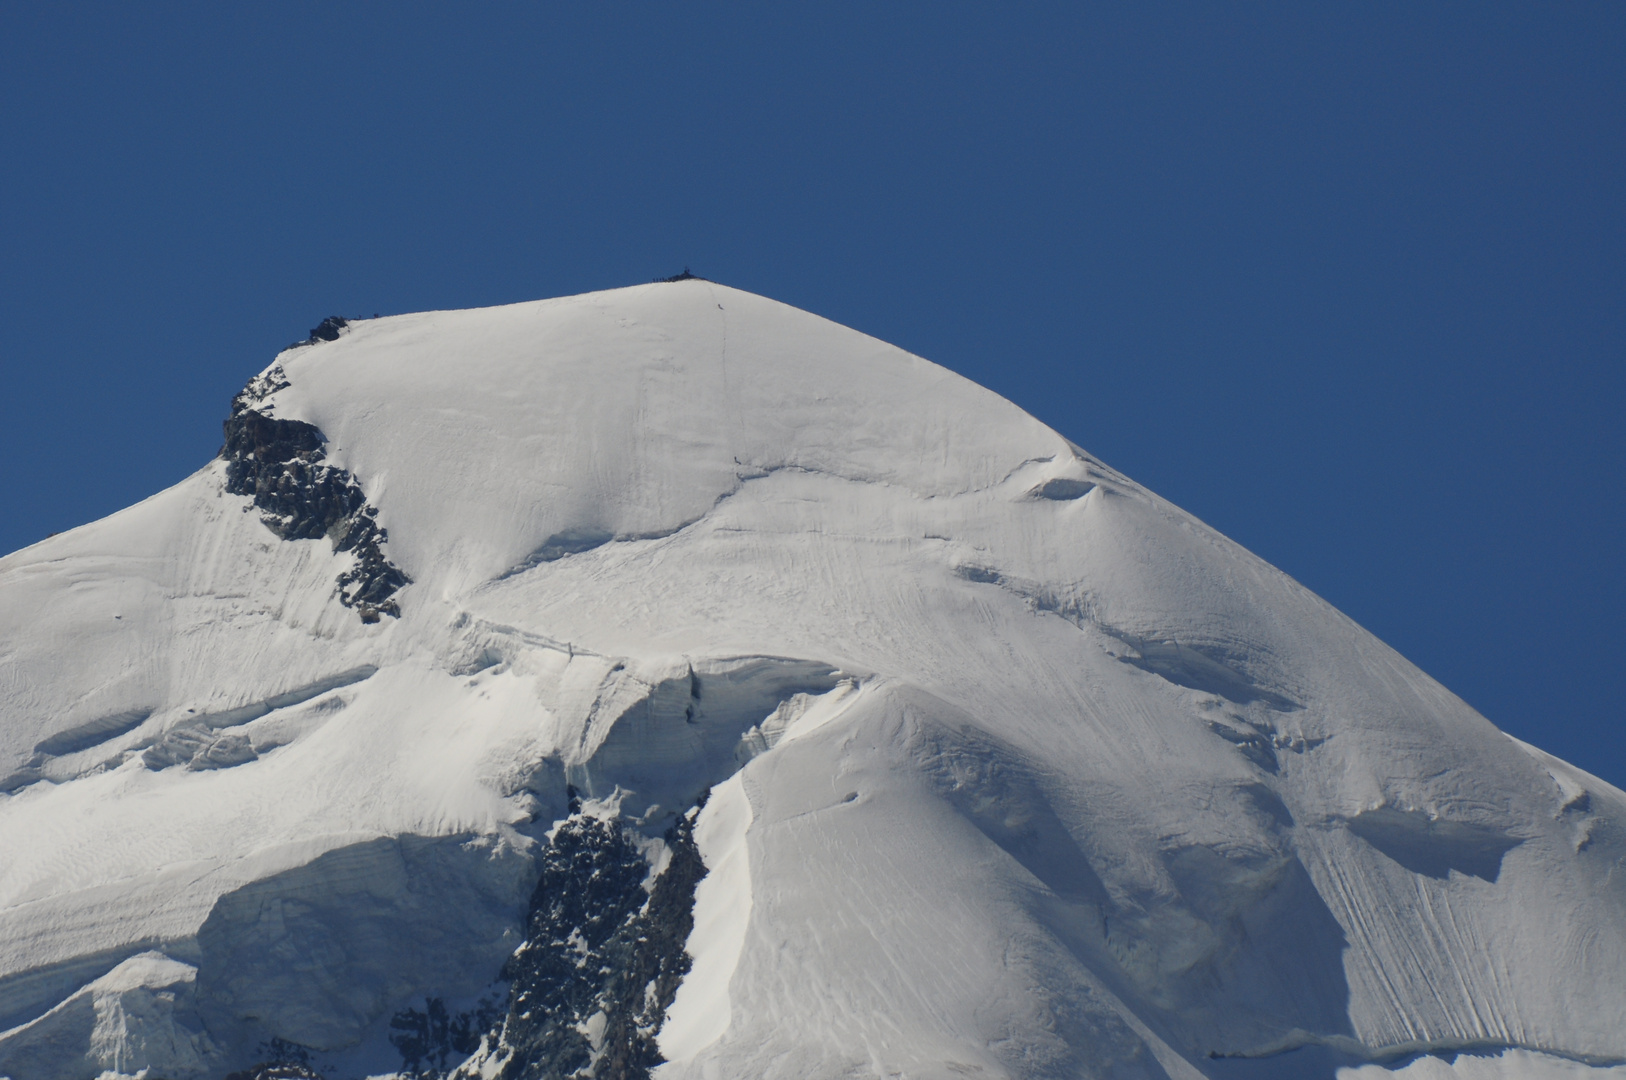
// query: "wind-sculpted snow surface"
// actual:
[[1014, 769]]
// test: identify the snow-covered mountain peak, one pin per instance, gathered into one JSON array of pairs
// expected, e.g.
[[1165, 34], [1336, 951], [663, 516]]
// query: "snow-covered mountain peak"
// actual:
[[494, 438], [668, 679]]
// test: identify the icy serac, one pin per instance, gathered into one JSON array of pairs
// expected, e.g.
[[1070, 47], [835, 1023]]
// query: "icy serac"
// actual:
[[504, 651]]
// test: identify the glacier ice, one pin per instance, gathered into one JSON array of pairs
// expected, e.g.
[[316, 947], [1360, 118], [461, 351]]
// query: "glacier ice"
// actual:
[[1014, 769]]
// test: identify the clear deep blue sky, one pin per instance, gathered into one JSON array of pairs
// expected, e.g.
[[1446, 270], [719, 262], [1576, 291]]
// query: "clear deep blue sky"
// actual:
[[1345, 281]]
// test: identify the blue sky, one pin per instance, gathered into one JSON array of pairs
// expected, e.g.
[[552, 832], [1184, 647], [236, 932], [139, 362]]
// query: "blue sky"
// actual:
[[1346, 281]]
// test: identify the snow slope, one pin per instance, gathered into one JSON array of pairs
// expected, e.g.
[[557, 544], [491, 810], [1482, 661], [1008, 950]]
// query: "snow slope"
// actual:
[[1019, 770]]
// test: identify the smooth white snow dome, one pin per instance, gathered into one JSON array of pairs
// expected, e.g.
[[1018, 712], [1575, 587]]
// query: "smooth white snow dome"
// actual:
[[1017, 770]]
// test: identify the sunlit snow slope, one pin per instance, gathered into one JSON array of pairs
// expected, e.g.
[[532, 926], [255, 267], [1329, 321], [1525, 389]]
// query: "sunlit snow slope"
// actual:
[[1016, 769]]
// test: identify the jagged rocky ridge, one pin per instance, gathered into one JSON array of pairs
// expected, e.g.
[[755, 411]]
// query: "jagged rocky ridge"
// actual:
[[279, 463], [602, 956]]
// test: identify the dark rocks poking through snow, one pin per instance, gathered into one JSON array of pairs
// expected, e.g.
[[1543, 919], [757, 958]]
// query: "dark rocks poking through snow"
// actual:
[[279, 463], [282, 1061], [685, 276], [276, 1072], [326, 330], [602, 957], [433, 1039]]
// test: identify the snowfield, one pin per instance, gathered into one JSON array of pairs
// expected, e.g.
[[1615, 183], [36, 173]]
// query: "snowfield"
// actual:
[[1015, 769]]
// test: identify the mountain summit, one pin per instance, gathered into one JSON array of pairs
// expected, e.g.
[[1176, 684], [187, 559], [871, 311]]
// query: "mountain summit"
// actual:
[[668, 682]]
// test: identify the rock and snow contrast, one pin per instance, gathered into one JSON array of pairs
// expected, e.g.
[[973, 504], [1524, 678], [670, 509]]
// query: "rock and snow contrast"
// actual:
[[667, 682]]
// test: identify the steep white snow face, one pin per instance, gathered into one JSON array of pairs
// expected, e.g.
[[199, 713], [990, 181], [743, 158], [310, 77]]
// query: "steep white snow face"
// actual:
[[702, 1011], [1016, 769]]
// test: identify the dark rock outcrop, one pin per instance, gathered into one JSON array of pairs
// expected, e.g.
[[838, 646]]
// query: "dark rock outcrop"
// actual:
[[264, 1071], [433, 1039], [280, 464], [603, 954], [282, 1061], [326, 330]]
